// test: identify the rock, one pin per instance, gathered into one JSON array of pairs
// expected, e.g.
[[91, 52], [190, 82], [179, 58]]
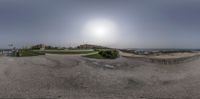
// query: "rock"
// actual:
[[109, 66], [95, 63]]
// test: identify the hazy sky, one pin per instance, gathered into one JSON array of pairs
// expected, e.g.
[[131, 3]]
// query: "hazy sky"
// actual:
[[140, 23]]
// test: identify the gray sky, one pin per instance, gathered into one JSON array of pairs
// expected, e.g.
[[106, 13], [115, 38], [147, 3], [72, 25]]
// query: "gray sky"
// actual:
[[140, 23]]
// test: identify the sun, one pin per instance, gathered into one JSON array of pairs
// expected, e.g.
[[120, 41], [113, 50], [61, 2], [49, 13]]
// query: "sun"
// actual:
[[100, 28]]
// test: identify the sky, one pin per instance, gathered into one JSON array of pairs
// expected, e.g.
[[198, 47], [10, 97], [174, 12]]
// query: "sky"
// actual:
[[138, 23]]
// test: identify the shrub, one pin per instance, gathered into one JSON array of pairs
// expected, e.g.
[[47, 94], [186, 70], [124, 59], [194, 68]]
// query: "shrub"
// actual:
[[111, 53]]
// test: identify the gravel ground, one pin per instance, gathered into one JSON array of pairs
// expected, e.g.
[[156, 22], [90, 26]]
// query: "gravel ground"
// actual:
[[76, 77]]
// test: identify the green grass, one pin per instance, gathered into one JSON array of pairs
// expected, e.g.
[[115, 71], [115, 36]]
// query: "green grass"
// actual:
[[25, 53], [96, 56], [66, 51]]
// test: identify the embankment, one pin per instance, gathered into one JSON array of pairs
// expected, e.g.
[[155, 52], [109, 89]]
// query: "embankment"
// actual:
[[166, 61]]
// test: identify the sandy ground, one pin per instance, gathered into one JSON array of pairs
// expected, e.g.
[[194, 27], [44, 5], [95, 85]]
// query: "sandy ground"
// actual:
[[76, 77], [162, 56], [175, 55]]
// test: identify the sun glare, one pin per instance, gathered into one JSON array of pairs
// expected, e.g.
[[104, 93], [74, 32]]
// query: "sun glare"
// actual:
[[100, 29]]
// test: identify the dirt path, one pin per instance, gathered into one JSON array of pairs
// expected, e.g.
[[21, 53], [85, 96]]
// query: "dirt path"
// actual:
[[75, 77]]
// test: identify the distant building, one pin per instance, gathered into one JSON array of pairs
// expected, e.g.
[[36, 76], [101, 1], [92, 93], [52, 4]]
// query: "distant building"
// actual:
[[42, 47]]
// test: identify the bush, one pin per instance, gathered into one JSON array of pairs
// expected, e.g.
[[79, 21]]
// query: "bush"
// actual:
[[111, 53]]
